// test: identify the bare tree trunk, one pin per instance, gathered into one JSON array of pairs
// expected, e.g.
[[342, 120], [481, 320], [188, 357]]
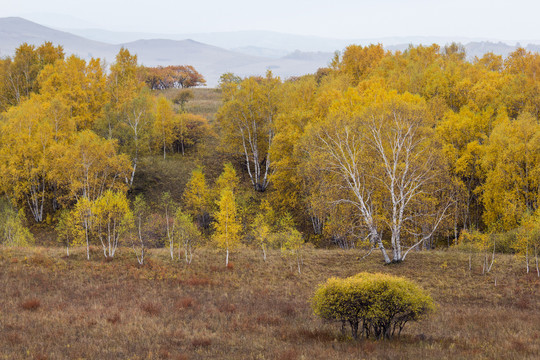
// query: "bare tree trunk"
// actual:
[[536, 260], [527, 257], [87, 242], [492, 258]]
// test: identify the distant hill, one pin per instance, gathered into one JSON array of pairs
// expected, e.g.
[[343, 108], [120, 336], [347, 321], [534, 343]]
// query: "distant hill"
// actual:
[[211, 61], [15, 31], [243, 53]]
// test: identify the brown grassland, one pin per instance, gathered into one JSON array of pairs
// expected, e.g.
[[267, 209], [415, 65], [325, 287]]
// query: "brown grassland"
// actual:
[[58, 307]]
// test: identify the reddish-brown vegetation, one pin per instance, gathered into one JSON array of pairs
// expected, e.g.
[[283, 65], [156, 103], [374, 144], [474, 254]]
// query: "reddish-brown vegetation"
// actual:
[[32, 304]]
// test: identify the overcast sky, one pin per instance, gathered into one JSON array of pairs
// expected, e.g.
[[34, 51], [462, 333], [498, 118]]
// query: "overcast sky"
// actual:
[[494, 19]]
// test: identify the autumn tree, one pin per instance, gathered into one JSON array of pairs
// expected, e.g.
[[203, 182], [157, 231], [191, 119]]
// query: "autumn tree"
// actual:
[[83, 219], [124, 79], [189, 130], [300, 109], [13, 231], [481, 243], [227, 235], [182, 97], [88, 165], [112, 219], [226, 180], [140, 215], [134, 128], [293, 245], [167, 206], [26, 139], [178, 76], [527, 242], [187, 234], [261, 232], [511, 165], [521, 90], [78, 86], [246, 120], [66, 228], [164, 125], [383, 158], [358, 61], [196, 198], [18, 75], [463, 136], [187, 76]]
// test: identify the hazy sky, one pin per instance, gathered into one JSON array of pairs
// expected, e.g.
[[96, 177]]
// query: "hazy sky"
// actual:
[[496, 19]]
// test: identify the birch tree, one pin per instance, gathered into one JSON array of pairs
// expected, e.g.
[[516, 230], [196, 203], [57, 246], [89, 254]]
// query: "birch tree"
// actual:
[[527, 243], [196, 197], [88, 166], [247, 122], [227, 235], [164, 125], [167, 206], [26, 138], [187, 234], [140, 215], [135, 122], [378, 152], [83, 220], [112, 220]]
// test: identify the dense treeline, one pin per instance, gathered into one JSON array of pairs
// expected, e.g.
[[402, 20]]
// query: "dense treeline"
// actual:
[[397, 150], [392, 151], [72, 133]]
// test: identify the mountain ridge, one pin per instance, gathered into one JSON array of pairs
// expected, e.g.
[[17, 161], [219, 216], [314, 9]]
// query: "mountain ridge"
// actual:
[[209, 60], [251, 53]]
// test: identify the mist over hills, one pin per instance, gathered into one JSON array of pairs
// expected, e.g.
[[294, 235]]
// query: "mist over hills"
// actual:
[[211, 61], [243, 53]]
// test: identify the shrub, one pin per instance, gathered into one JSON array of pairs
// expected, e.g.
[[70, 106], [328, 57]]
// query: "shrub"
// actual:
[[380, 305], [32, 304], [151, 308]]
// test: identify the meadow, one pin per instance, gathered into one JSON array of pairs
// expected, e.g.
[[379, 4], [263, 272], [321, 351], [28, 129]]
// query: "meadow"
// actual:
[[58, 307]]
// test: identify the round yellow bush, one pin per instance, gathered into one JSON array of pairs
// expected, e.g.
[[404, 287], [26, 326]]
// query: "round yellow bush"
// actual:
[[378, 305]]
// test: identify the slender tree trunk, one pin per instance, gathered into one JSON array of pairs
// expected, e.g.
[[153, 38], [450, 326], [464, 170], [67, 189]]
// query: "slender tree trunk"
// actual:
[[164, 149], [87, 242], [527, 257], [133, 173], [536, 260], [492, 258], [376, 239]]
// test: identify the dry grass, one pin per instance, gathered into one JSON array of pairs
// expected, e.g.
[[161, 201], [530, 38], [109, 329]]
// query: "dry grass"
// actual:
[[168, 310], [205, 101]]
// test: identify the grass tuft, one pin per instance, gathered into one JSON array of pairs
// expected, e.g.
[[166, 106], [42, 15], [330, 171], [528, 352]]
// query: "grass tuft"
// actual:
[[201, 342], [151, 308]]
